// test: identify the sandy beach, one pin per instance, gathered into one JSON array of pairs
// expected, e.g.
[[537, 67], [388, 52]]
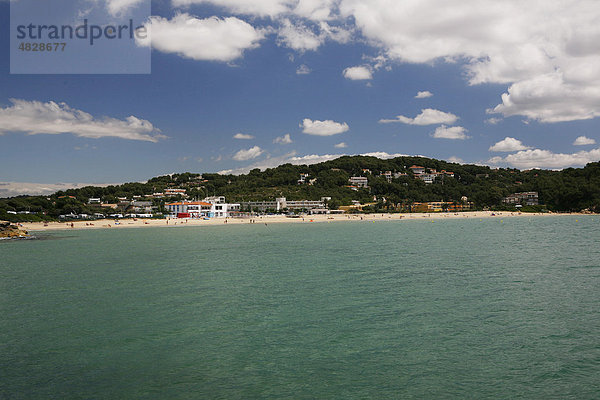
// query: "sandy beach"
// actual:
[[268, 219]]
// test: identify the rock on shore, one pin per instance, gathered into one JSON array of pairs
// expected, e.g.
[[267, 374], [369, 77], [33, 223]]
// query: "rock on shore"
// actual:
[[7, 230]]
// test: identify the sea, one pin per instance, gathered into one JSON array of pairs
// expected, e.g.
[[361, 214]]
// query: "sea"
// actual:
[[492, 308]]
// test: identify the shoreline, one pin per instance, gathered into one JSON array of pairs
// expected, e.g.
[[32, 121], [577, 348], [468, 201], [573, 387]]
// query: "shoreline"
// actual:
[[268, 219]]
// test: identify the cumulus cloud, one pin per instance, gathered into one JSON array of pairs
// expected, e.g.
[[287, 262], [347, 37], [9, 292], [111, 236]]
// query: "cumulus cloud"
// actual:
[[423, 95], [243, 136], [583, 141], [453, 132], [428, 116], [323, 128], [210, 39], [546, 159], [251, 153], [285, 139], [548, 53], [35, 117], [509, 144], [341, 145], [358, 73]]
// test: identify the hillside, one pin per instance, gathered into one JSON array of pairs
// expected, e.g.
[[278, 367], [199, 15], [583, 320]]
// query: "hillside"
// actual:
[[572, 189]]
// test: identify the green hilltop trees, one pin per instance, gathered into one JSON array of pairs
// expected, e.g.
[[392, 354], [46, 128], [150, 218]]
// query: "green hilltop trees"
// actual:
[[571, 189]]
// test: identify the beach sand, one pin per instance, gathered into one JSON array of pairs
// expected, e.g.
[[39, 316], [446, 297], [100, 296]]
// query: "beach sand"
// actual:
[[268, 219]]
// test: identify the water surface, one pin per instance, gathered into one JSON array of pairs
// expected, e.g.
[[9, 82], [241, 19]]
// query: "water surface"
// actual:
[[492, 308]]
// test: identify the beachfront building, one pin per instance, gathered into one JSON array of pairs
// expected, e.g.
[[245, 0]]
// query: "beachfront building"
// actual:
[[192, 209], [524, 198], [202, 209], [281, 203], [225, 210], [359, 182]]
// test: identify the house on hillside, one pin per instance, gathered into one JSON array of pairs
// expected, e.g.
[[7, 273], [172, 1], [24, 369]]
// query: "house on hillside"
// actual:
[[359, 181]]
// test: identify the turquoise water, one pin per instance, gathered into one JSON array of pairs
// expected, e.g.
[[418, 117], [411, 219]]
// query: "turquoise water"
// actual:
[[351, 310]]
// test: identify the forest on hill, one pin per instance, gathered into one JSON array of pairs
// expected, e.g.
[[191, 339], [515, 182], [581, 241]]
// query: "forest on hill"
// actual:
[[571, 189]]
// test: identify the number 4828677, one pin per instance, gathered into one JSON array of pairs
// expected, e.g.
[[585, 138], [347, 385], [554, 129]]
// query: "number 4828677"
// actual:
[[25, 46]]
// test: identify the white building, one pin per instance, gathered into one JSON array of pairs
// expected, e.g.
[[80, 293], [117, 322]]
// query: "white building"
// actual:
[[174, 192], [211, 207], [416, 169], [215, 199], [282, 203], [428, 178], [359, 181]]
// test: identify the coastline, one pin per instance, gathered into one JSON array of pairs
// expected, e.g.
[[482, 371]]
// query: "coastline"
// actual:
[[269, 219]]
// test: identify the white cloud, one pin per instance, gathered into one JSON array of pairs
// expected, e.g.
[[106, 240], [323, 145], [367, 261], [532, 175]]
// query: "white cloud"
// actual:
[[301, 36], [313, 159], [546, 159], [583, 141], [211, 39], [285, 139], [12, 189], [314, 10], [456, 160], [116, 7], [454, 132], [548, 53], [428, 116], [291, 158], [550, 98], [251, 153], [269, 162], [423, 95], [338, 34], [493, 121], [323, 128], [298, 36], [243, 136], [303, 70], [255, 7], [35, 117], [383, 155], [508, 144], [358, 73], [341, 145], [317, 10]]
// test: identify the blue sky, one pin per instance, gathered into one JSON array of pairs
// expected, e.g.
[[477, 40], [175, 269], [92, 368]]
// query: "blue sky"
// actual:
[[324, 72]]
